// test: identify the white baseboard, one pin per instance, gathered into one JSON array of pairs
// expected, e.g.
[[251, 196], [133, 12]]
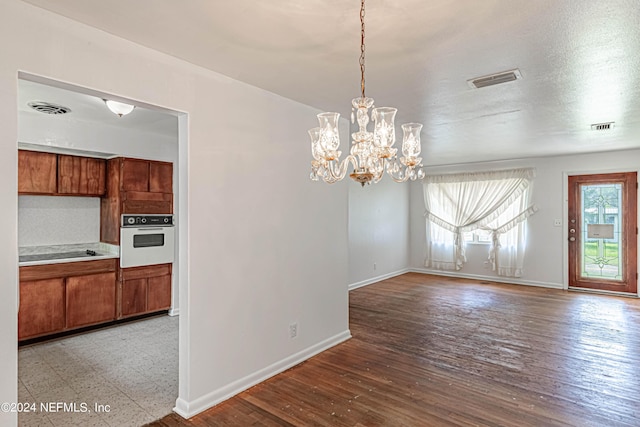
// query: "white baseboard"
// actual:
[[188, 409], [377, 279], [174, 312], [499, 279]]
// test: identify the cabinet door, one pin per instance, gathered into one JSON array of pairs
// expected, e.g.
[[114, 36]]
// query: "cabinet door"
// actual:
[[41, 307], [159, 293], [36, 172], [160, 177], [135, 175], [138, 202], [81, 175], [91, 299], [134, 296]]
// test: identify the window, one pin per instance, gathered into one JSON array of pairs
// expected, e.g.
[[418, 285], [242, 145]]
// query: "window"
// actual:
[[477, 236], [486, 207]]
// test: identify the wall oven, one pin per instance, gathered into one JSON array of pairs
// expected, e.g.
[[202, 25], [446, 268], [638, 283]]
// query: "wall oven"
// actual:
[[146, 240]]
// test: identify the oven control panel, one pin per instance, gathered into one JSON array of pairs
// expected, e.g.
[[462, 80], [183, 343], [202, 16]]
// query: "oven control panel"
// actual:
[[131, 220]]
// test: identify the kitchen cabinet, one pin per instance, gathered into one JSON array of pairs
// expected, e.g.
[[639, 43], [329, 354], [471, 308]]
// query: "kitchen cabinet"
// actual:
[[41, 307], [134, 186], [145, 289], [91, 299], [57, 174], [81, 175], [37, 172], [59, 297], [146, 176]]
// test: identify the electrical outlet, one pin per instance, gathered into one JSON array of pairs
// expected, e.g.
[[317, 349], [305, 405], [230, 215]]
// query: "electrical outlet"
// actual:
[[557, 223], [293, 330]]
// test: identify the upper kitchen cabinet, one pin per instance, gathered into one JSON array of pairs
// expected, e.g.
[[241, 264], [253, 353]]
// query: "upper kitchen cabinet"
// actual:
[[81, 176], [146, 176], [37, 172], [57, 174]]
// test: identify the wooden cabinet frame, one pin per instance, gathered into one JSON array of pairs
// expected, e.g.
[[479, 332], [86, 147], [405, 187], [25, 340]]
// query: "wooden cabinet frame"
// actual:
[[134, 186]]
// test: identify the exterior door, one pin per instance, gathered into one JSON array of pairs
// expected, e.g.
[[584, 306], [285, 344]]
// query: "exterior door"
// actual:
[[602, 232]]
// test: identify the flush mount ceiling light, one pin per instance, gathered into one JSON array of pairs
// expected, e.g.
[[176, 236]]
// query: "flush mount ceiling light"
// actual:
[[119, 108], [372, 153]]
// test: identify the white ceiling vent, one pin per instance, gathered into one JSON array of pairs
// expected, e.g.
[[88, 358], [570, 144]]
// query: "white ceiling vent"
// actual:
[[495, 79], [602, 126], [49, 108]]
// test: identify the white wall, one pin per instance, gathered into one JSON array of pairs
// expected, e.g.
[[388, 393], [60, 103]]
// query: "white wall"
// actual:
[[51, 131], [58, 220], [264, 246], [378, 231], [546, 258]]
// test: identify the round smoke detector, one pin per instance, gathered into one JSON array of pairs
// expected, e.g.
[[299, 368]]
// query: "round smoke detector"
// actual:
[[49, 108]]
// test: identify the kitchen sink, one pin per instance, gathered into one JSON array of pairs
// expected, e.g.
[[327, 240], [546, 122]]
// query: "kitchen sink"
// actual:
[[57, 255]]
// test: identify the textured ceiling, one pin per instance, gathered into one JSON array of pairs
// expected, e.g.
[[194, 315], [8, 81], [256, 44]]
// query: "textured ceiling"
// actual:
[[579, 59]]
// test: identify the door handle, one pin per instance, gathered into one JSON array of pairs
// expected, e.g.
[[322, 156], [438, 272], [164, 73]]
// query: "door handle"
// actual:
[[572, 239], [573, 230]]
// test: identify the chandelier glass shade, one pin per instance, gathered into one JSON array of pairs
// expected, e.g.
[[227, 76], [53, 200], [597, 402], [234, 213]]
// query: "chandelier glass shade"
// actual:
[[372, 152]]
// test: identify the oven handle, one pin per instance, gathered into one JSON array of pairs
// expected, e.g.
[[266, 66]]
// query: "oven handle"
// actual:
[[145, 229]]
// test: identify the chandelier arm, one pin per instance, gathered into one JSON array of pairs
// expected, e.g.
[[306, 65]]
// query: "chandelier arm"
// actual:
[[402, 178], [338, 171]]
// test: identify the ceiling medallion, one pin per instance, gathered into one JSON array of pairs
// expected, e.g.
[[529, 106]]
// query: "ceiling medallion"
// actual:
[[372, 153]]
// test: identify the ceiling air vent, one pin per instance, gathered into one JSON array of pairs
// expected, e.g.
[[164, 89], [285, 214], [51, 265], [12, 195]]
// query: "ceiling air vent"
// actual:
[[495, 79], [602, 126], [48, 108]]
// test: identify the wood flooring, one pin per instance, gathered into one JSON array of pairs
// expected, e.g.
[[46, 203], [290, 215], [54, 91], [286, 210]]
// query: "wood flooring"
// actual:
[[437, 351]]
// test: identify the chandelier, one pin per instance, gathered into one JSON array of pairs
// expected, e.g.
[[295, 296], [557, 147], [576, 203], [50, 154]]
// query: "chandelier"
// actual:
[[371, 153]]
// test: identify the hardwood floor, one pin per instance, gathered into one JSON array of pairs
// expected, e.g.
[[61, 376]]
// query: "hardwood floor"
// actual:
[[438, 351]]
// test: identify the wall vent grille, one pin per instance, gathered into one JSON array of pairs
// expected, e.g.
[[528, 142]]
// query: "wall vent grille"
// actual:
[[495, 79]]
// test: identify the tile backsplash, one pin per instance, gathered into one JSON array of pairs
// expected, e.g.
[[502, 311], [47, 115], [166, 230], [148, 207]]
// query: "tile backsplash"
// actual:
[[56, 220]]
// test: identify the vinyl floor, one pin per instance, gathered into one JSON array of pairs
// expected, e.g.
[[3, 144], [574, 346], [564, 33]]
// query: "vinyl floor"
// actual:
[[126, 375]]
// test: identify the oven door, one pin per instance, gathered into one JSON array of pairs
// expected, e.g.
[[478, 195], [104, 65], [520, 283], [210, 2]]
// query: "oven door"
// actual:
[[146, 246]]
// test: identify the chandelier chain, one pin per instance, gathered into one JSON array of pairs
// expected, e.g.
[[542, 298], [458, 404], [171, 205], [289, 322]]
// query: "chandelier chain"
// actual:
[[362, 47]]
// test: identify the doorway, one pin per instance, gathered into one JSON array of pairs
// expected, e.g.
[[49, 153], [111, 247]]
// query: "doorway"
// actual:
[[603, 232], [130, 371]]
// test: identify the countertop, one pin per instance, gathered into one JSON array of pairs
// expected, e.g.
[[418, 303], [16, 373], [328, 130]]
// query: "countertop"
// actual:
[[102, 250]]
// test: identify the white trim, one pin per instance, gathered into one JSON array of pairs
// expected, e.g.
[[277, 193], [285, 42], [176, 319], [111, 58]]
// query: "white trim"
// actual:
[[174, 312], [188, 409], [603, 292], [499, 279], [377, 279]]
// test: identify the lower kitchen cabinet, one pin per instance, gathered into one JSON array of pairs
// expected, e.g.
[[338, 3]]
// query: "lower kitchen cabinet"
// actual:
[[145, 289], [41, 307], [91, 299], [159, 293], [59, 297], [134, 296]]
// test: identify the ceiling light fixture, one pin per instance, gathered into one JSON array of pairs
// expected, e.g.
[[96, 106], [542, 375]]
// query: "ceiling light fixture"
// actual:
[[372, 153], [119, 108]]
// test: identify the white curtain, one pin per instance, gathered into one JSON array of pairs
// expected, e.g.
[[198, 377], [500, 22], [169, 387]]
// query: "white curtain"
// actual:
[[496, 201]]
